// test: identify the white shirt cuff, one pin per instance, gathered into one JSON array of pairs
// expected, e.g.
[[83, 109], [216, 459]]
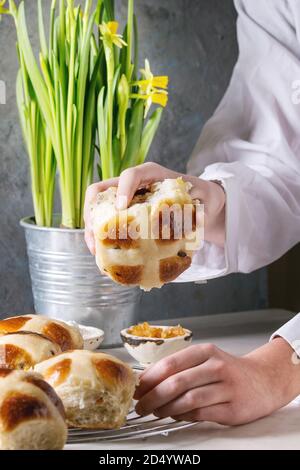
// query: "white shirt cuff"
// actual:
[[230, 184], [211, 261], [290, 332]]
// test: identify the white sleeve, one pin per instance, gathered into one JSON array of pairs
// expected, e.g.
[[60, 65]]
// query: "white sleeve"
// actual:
[[291, 333], [254, 141]]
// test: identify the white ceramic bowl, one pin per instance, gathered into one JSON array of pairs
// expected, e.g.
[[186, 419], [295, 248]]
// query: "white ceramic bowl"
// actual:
[[92, 337], [147, 351]]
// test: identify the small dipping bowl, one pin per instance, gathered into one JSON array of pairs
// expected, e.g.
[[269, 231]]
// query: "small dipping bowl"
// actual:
[[92, 337], [147, 351]]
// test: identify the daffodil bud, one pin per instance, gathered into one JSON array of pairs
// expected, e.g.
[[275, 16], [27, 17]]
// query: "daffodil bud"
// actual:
[[123, 102], [123, 92]]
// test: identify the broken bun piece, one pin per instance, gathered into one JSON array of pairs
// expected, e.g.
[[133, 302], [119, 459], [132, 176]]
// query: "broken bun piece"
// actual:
[[66, 336], [95, 388], [31, 414], [153, 241]]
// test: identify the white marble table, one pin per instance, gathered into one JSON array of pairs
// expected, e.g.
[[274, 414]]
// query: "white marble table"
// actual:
[[237, 333]]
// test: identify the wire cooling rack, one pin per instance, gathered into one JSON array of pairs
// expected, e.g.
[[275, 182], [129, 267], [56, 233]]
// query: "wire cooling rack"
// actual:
[[136, 427]]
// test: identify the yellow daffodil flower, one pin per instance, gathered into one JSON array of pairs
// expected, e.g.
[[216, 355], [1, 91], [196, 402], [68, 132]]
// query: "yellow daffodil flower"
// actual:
[[151, 80], [110, 34], [152, 89], [3, 10]]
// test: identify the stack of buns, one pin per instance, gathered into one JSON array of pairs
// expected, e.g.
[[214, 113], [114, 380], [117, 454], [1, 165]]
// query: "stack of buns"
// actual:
[[24, 349], [29, 339], [47, 381], [66, 336]]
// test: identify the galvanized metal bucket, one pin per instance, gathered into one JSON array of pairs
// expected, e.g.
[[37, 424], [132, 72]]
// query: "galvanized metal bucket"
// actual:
[[67, 284]]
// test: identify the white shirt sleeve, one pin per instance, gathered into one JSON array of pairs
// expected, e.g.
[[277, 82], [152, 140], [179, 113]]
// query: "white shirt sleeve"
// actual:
[[291, 333], [254, 141]]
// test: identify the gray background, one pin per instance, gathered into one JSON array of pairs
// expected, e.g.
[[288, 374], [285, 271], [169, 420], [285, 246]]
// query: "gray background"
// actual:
[[194, 42]]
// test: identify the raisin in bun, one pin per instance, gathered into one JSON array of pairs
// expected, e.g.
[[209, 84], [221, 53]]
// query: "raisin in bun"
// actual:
[[96, 389], [23, 349], [31, 414], [66, 336], [140, 246]]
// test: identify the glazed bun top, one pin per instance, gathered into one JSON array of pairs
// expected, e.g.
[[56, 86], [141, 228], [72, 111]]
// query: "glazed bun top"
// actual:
[[23, 349], [83, 368], [66, 336], [25, 398], [145, 245]]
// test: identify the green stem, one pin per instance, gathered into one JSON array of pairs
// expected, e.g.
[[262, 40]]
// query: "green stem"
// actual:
[[110, 65], [123, 102], [49, 181], [83, 75], [129, 40], [73, 28], [51, 30]]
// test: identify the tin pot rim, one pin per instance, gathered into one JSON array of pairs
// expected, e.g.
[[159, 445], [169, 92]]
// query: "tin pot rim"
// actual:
[[29, 223]]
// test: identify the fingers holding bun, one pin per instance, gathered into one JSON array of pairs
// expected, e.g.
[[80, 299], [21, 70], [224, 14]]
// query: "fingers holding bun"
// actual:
[[31, 414], [95, 388], [66, 336]]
